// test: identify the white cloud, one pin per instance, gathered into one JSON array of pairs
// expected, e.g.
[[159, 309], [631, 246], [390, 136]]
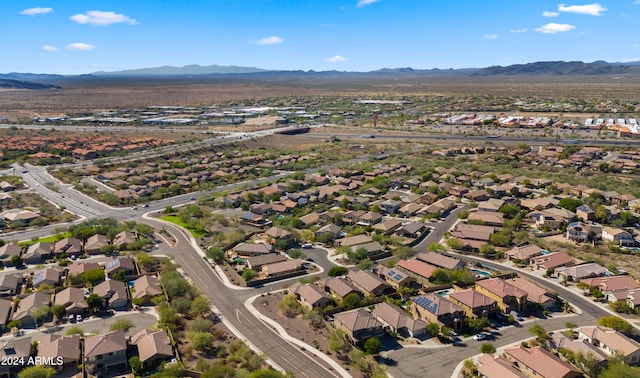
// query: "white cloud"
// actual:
[[523, 30], [550, 14], [35, 11], [553, 28], [100, 18], [362, 3], [48, 48], [336, 59], [594, 9], [637, 2], [79, 46], [273, 40], [491, 36]]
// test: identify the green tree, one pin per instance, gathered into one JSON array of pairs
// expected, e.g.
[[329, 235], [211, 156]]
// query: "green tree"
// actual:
[[94, 301], [93, 276], [74, 330], [16, 261], [249, 274], [121, 324], [147, 262], [289, 306], [200, 341], [216, 254], [41, 314], [201, 325], [135, 364], [617, 323], [454, 243], [57, 310], [620, 370], [433, 329], [539, 332], [350, 301], [477, 324], [365, 264], [436, 247], [336, 271], [37, 371], [200, 306], [569, 203], [181, 305], [372, 346], [404, 252], [487, 348]]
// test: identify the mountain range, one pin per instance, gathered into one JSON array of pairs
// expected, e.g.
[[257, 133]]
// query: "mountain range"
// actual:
[[553, 68]]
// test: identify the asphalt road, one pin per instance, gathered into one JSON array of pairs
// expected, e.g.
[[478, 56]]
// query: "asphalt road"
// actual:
[[231, 304]]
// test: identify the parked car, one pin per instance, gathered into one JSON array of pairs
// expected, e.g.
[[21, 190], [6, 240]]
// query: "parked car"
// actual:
[[479, 337], [78, 318], [307, 245], [134, 208], [71, 318]]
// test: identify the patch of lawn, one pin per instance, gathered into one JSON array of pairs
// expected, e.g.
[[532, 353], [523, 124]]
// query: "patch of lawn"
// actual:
[[195, 231], [48, 239]]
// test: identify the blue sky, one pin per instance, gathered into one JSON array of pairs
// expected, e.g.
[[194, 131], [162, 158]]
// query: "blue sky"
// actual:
[[75, 37]]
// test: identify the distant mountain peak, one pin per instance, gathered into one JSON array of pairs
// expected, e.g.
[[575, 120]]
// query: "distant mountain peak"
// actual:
[[191, 69]]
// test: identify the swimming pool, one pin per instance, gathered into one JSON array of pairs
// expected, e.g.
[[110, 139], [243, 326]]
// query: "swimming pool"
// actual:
[[481, 273]]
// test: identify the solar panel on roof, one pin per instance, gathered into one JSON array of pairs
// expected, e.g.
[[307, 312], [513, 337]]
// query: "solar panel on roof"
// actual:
[[397, 277], [112, 263]]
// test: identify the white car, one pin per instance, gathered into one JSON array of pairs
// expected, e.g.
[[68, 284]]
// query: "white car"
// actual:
[[479, 337], [307, 245]]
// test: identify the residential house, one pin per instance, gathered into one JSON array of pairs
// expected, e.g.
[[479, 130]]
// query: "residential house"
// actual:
[[309, 219], [257, 262], [73, 301], [116, 264], [275, 233], [77, 268], [537, 297], [492, 204], [419, 269], [28, 305], [246, 250], [153, 347], [283, 268], [614, 288], [15, 353], [105, 353], [374, 250], [566, 215], [338, 287], [477, 195], [490, 218], [37, 253], [442, 208], [546, 221], [368, 283], [388, 226], [390, 206], [411, 230], [52, 346], [310, 295], [331, 229], [145, 288], [509, 297], [9, 284], [50, 276], [70, 246], [524, 252], [437, 309], [7, 252], [472, 235], [552, 260], [395, 277], [559, 340], [94, 244], [609, 341], [410, 209], [124, 238], [583, 232], [537, 362], [358, 325], [369, 218], [577, 272], [441, 261], [5, 310], [585, 213], [618, 236], [496, 366], [397, 321], [355, 240], [114, 294], [473, 303]]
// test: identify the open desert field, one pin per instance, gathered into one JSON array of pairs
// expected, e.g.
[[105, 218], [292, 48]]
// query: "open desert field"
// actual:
[[86, 94]]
